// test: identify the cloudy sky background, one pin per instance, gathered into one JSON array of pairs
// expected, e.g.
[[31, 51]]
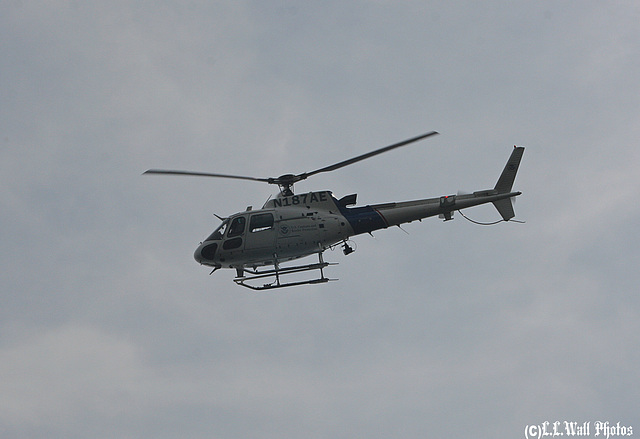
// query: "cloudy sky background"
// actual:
[[110, 329]]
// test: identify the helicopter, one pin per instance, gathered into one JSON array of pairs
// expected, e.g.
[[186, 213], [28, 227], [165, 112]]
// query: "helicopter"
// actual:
[[256, 243]]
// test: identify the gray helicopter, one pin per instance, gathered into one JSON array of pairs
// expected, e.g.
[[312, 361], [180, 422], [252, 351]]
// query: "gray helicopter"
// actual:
[[292, 226]]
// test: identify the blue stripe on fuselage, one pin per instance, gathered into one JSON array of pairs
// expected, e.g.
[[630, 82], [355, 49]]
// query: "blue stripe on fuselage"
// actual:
[[363, 219]]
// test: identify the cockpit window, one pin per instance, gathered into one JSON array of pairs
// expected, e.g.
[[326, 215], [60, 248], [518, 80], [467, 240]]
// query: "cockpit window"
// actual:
[[219, 232], [260, 222], [237, 226]]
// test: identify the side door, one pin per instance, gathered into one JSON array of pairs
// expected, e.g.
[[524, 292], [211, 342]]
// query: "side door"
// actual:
[[261, 233]]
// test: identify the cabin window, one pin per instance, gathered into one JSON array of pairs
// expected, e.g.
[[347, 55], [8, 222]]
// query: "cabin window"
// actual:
[[237, 226], [209, 251], [232, 243], [260, 222], [217, 233]]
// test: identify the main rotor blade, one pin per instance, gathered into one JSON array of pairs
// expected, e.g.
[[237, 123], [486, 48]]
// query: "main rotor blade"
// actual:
[[288, 180], [366, 156], [204, 174]]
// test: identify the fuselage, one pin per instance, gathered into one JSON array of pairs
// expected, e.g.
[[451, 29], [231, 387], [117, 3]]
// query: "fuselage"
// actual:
[[294, 226], [287, 227]]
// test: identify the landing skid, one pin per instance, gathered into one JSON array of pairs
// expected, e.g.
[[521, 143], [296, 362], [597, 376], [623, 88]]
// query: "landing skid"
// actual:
[[278, 272]]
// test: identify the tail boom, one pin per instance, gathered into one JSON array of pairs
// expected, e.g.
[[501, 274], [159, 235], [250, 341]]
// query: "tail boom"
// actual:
[[380, 216]]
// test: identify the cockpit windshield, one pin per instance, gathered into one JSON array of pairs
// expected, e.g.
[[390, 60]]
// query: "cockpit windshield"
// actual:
[[219, 232]]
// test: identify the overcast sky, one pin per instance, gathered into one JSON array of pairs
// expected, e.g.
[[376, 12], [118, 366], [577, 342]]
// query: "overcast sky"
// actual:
[[110, 329]]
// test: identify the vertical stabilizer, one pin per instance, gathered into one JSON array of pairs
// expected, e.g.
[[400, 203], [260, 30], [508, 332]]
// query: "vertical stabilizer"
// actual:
[[505, 182], [505, 208]]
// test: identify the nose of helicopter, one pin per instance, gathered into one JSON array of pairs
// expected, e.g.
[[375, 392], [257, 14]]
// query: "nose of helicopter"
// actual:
[[197, 255], [205, 253]]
